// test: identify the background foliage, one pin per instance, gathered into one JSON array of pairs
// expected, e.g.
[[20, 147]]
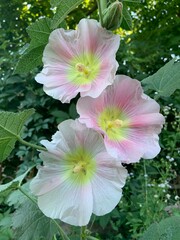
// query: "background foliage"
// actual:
[[153, 186]]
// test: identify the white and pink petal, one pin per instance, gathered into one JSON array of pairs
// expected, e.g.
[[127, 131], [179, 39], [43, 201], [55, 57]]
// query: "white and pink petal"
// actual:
[[71, 203]]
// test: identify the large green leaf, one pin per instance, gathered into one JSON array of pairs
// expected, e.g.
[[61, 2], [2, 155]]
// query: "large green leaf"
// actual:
[[55, 3], [63, 10], [29, 223], [30, 59], [166, 80], [11, 125], [39, 32], [167, 229], [127, 20], [7, 188]]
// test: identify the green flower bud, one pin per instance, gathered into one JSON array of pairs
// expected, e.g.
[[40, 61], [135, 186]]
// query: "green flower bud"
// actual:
[[112, 16]]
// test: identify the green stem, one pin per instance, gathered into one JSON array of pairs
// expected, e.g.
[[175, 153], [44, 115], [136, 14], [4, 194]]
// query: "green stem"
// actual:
[[100, 12], [83, 233], [61, 231], [103, 4], [145, 176], [93, 220], [27, 195], [31, 144], [54, 237]]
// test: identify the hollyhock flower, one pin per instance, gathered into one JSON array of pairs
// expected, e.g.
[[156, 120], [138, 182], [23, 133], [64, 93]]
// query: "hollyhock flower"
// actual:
[[129, 120], [79, 177], [81, 60]]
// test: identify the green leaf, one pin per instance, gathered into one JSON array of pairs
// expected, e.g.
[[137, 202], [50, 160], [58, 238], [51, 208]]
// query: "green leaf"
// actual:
[[133, 1], [167, 229], [166, 80], [63, 10], [127, 20], [104, 220], [72, 111], [60, 115], [5, 226], [55, 3], [31, 59], [16, 197], [30, 223], [7, 188], [92, 238], [11, 125], [39, 31]]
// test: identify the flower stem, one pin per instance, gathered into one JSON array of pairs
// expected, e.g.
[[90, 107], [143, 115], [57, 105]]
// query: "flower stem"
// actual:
[[27, 195], [100, 12], [61, 231], [54, 237], [31, 144], [103, 4], [145, 184], [93, 220], [83, 233]]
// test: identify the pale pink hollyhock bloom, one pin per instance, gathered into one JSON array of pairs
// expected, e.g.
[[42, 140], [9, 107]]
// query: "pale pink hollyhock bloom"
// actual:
[[81, 60], [79, 177], [128, 119]]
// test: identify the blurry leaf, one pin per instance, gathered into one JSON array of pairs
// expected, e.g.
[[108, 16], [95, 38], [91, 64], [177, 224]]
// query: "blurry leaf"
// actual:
[[72, 111], [60, 115], [134, 1], [92, 238], [167, 229], [39, 31], [11, 125], [55, 3], [6, 234], [6, 220], [12, 80], [5, 189], [30, 223], [5, 226], [63, 10], [104, 220], [166, 80], [16, 197], [31, 59], [127, 20]]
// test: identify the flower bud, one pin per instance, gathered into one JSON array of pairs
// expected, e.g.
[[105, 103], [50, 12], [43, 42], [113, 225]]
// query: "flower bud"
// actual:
[[112, 16]]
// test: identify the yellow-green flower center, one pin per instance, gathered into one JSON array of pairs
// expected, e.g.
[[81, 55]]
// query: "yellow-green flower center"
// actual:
[[84, 69], [81, 165], [114, 123]]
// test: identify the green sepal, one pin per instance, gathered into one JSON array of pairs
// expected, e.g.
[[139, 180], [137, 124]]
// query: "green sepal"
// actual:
[[112, 16]]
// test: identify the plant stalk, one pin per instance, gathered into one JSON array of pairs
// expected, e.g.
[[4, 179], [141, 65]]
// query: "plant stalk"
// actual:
[[83, 233], [100, 12], [31, 144], [27, 195], [145, 184], [103, 4]]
